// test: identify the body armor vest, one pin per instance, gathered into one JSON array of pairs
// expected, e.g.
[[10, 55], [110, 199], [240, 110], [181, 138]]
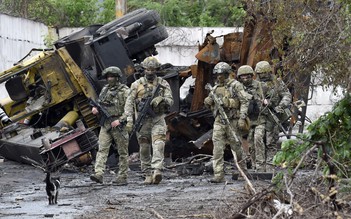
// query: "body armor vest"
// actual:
[[225, 91], [112, 99], [144, 90]]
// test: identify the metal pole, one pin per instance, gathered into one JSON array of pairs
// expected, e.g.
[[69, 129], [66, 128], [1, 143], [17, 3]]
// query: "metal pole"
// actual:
[[121, 8]]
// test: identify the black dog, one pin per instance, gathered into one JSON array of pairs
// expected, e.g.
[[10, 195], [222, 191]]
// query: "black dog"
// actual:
[[52, 187]]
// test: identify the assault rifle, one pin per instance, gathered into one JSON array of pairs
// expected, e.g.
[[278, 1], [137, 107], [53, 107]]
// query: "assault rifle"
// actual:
[[275, 118], [144, 109], [277, 121], [104, 115], [221, 111]]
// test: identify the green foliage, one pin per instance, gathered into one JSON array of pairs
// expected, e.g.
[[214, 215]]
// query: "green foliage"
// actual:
[[333, 129], [278, 179], [210, 13], [70, 13], [49, 39], [107, 11], [320, 42], [57, 13], [78, 12]]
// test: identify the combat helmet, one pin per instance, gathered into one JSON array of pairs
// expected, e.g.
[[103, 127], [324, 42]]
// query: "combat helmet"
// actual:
[[150, 63], [245, 70], [222, 67], [263, 67], [113, 71]]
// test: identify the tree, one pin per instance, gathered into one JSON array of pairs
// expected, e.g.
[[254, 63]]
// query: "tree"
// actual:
[[314, 41], [190, 13], [58, 13], [317, 37], [82, 13], [107, 12]]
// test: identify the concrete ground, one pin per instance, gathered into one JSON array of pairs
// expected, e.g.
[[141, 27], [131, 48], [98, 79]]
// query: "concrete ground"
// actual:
[[22, 195]]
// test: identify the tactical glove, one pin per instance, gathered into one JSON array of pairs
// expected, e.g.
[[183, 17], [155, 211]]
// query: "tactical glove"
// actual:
[[156, 101], [279, 109], [129, 127], [265, 102], [242, 124], [208, 101]]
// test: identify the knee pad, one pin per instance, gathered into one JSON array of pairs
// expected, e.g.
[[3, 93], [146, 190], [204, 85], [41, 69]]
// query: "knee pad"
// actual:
[[159, 138], [143, 140]]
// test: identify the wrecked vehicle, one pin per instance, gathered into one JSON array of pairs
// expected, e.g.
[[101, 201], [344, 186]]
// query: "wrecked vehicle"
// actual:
[[191, 128], [48, 102], [48, 94]]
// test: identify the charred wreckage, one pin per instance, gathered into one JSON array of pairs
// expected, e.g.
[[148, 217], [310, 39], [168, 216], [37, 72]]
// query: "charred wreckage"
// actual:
[[48, 103]]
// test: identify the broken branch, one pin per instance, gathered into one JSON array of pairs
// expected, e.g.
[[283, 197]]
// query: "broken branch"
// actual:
[[243, 174], [153, 211]]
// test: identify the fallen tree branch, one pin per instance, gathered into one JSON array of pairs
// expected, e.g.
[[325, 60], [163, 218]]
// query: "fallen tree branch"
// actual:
[[34, 163], [331, 179], [241, 214], [252, 189], [204, 156], [195, 215], [301, 161], [285, 208], [154, 212]]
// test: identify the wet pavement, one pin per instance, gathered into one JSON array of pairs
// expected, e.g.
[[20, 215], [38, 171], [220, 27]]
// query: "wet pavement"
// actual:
[[22, 195]]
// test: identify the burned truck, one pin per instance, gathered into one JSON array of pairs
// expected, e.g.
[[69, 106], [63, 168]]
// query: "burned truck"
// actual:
[[48, 93], [48, 103]]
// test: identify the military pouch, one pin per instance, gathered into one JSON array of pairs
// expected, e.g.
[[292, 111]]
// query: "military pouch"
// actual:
[[233, 114], [283, 117], [161, 108], [253, 110], [234, 103], [157, 109], [114, 110]]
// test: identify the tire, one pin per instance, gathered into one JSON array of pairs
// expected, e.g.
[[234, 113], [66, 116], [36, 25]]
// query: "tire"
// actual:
[[147, 19], [146, 39]]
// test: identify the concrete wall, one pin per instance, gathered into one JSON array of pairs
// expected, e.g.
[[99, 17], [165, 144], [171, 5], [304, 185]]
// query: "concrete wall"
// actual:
[[18, 36], [182, 44], [321, 100]]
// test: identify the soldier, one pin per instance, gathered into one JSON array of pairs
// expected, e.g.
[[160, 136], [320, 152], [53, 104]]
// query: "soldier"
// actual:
[[257, 120], [278, 98], [153, 130], [112, 97], [235, 103]]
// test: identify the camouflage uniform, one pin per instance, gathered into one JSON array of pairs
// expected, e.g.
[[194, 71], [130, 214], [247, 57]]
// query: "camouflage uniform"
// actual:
[[153, 130], [257, 120], [278, 98], [113, 98], [235, 104]]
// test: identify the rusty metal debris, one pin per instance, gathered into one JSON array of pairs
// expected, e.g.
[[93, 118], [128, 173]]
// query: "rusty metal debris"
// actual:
[[49, 93], [56, 83]]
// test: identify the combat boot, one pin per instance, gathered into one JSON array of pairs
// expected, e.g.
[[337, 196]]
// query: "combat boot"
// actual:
[[157, 177], [120, 181], [217, 179], [148, 180], [96, 178]]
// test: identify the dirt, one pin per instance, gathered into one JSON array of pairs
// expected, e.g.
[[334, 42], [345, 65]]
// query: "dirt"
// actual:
[[22, 195]]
